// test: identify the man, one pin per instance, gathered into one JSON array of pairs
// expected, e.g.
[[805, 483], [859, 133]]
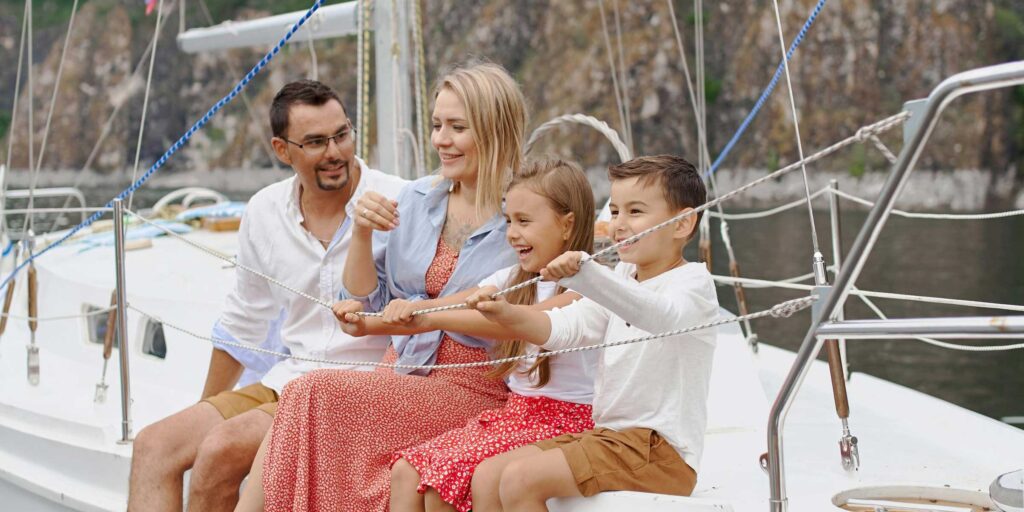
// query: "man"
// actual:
[[297, 231]]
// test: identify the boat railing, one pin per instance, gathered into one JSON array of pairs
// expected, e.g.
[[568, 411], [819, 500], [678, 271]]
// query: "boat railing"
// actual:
[[826, 322], [68, 193]]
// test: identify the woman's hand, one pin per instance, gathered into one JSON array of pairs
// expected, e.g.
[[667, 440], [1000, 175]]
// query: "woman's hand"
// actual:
[[376, 212], [351, 323], [566, 265], [400, 311]]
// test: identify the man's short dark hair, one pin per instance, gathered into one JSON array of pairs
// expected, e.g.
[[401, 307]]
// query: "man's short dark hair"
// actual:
[[679, 180], [301, 92]]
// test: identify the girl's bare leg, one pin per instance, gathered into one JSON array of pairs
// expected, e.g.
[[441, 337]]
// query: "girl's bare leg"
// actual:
[[404, 481]]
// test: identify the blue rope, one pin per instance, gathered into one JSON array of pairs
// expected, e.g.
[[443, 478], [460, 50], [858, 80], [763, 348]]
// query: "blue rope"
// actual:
[[767, 91], [8, 249], [177, 145]]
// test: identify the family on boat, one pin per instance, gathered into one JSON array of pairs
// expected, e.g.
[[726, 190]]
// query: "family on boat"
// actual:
[[508, 436]]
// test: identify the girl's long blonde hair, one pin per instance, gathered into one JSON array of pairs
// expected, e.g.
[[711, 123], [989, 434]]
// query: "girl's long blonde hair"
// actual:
[[567, 190], [496, 111]]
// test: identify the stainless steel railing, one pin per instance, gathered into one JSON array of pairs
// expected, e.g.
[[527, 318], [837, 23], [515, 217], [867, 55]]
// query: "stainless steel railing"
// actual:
[[824, 320]]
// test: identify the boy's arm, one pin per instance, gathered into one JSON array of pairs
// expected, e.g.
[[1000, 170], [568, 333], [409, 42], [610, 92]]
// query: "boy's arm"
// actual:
[[642, 307], [578, 324]]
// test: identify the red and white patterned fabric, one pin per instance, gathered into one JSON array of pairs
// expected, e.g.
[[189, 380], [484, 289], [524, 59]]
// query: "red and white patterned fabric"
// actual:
[[448, 461], [336, 431]]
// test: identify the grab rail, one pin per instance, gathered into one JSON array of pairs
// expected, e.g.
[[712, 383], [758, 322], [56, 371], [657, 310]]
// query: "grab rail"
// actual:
[[981, 79]]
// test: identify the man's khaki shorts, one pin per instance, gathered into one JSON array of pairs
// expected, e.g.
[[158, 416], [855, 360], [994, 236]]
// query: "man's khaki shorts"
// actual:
[[254, 396], [635, 459]]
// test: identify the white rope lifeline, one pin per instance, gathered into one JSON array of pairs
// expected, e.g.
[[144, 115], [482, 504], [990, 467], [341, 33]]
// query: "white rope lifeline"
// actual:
[[935, 216], [945, 344], [60, 317], [877, 127], [878, 295], [780, 310]]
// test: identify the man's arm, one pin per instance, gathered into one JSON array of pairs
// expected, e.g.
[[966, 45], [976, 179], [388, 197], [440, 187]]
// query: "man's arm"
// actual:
[[224, 372]]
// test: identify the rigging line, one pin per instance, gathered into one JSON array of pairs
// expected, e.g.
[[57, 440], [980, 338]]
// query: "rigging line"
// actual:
[[768, 90], [396, 94], [873, 128], [781, 310], [17, 92], [108, 125], [264, 135], [313, 61], [698, 50], [31, 113], [421, 88], [368, 44], [625, 78], [796, 126], [145, 96], [178, 144], [360, 5], [56, 87], [614, 73], [879, 126], [943, 344]]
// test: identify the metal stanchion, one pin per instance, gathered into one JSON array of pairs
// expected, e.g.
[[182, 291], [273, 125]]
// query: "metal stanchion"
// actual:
[[122, 325]]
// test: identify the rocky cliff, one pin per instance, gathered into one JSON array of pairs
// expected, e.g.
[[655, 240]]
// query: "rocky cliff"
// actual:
[[860, 61]]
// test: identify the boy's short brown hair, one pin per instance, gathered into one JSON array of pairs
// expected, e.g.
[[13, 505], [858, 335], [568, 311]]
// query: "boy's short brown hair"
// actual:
[[678, 178]]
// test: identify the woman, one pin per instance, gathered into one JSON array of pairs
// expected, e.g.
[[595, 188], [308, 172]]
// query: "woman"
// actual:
[[336, 431]]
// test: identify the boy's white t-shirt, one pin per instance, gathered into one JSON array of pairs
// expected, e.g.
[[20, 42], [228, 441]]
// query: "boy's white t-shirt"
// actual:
[[572, 375], [660, 384]]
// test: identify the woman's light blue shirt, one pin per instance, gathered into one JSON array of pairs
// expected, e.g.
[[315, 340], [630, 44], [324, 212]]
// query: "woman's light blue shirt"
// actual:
[[403, 255]]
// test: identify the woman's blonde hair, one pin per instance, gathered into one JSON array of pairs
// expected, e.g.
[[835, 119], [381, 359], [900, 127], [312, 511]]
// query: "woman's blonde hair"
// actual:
[[496, 112], [567, 190]]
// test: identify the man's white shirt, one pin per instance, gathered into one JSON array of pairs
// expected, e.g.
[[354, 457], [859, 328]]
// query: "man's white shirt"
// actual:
[[272, 240]]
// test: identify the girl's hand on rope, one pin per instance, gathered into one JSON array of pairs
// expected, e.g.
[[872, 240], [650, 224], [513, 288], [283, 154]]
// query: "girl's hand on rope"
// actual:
[[566, 265], [351, 323], [495, 309], [376, 212], [400, 311]]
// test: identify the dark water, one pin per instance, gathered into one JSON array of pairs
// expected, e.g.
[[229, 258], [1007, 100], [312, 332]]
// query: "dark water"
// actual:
[[979, 260]]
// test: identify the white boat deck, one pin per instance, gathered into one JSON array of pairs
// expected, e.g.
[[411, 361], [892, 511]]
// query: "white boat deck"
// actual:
[[59, 450]]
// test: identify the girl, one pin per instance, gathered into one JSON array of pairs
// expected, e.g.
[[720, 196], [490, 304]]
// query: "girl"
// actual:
[[548, 210], [335, 431]]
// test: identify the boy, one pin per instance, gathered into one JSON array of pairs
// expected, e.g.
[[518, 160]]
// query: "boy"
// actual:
[[649, 398]]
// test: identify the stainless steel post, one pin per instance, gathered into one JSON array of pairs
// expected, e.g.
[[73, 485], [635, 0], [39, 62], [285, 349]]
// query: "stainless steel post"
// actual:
[[122, 325], [992, 77]]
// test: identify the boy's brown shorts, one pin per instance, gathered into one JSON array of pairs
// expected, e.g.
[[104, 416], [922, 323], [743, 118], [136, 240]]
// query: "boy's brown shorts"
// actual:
[[254, 396], [635, 459]]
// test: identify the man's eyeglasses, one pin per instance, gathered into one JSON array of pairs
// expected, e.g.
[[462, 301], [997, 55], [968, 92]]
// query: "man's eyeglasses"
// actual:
[[317, 146]]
